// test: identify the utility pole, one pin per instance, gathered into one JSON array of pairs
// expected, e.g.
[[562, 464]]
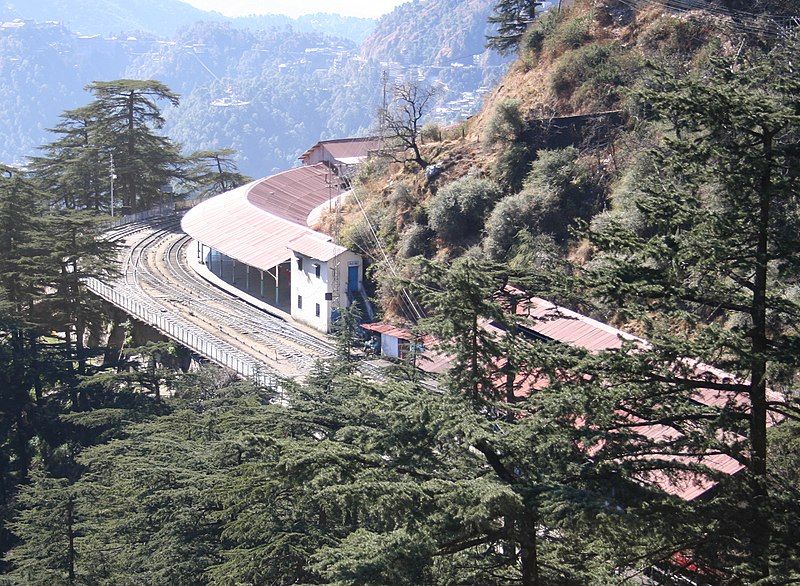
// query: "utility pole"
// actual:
[[335, 277], [384, 104], [112, 177]]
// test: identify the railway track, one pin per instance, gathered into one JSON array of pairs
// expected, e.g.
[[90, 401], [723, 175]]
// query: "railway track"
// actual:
[[157, 276]]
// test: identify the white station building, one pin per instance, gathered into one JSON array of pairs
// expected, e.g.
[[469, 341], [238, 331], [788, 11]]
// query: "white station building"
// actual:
[[258, 238]]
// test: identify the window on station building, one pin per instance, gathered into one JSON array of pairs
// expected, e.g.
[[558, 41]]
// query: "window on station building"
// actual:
[[299, 302], [318, 310], [299, 263], [317, 269]]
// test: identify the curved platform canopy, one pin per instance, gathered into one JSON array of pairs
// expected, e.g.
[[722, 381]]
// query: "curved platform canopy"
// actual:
[[259, 223]]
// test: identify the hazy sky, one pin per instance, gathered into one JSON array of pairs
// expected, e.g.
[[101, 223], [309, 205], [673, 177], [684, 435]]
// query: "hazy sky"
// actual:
[[365, 8]]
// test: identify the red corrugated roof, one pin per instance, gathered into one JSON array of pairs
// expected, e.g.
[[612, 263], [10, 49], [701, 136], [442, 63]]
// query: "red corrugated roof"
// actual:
[[293, 194], [256, 223], [563, 325], [318, 246], [345, 148]]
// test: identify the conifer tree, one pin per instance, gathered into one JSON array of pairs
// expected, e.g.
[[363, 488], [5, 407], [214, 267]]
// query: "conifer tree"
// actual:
[[76, 168], [48, 526], [214, 172], [512, 18], [709, 272], [126, 115]]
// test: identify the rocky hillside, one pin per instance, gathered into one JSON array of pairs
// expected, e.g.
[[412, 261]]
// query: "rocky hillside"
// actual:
[[431, 32], [505, 184]]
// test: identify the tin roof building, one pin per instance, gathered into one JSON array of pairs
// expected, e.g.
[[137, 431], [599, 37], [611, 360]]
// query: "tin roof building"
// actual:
[[257, 237]]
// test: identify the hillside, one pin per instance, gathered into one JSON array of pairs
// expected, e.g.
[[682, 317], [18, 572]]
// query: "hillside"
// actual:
[[266, 86], [583, 60], [158, 17], [435, 33]]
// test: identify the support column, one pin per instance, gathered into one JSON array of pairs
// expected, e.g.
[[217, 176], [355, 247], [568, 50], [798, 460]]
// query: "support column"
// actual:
[[247, 278], [277, 285], [233, 271], [262, 282]]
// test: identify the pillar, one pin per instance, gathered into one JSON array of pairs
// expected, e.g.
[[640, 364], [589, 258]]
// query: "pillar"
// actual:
[[262, 282], [277, 285], [247, 278]]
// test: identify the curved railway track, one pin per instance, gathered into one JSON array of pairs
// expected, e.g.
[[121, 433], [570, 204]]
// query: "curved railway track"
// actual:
[[157, 274]]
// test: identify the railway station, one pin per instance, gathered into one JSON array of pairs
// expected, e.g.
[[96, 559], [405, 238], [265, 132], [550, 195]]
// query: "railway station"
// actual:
[[259, 239]]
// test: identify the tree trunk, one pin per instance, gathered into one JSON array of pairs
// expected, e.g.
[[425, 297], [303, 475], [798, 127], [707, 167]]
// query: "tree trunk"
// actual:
[[70, 522], [529, 555], [761, 534]]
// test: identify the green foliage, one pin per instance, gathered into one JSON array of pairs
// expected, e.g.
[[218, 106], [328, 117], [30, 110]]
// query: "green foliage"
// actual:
[[457, 211], [512, 166], [507, 123], [511, 19], [431, 132], [533, 40], [416, 240], [709, 270], [557, 192], [214, 172], [48, 526], [678, 38], [593, 76], [570, 32]]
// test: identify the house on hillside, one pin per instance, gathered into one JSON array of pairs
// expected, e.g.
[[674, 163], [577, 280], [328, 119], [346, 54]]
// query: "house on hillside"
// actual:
[[343, 154]]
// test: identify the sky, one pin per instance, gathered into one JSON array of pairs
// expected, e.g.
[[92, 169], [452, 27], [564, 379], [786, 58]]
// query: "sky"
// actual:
[[364, 8]]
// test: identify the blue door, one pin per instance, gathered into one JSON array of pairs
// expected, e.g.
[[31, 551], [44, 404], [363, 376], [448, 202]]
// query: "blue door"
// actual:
[[352, 279]]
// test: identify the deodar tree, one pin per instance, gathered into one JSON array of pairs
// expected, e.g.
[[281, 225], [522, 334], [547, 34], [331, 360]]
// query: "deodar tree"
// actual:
[[710, 274], [511, 18], [127, 115]]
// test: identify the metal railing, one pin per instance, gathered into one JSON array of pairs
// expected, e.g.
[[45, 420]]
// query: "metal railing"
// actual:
[[156, 212], [248, 369]]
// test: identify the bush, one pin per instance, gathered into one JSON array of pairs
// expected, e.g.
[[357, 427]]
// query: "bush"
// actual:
[[512, 166], [458, 210], [678, 37], [431, 132], [534, 38], [592, 76], [506, 123], [564, 189], [511, 215], [416, 240], [568, 33]]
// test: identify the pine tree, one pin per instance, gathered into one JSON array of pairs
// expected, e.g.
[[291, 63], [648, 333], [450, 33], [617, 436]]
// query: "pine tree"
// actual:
[[214, 172], [126, 117], [48, 526], [76, 167], [76, 251], [709, 272], [512, 18]]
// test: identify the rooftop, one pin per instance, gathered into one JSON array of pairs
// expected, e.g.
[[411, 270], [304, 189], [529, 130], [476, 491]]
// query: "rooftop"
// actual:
[[256, 223]]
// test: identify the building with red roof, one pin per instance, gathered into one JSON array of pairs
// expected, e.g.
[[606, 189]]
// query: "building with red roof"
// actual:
[[257, 237]]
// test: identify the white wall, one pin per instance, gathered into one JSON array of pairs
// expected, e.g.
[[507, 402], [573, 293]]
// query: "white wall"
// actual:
[[390, 346], [312, 289]]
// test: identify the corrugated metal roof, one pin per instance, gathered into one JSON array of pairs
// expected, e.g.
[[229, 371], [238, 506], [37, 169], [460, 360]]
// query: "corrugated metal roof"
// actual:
[[566, 326], [347, 148], [316, 246], [293, 194], [255, 223]]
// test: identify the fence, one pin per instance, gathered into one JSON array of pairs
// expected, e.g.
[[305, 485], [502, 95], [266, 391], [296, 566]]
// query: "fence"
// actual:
[[245, 368], [161, 210]]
